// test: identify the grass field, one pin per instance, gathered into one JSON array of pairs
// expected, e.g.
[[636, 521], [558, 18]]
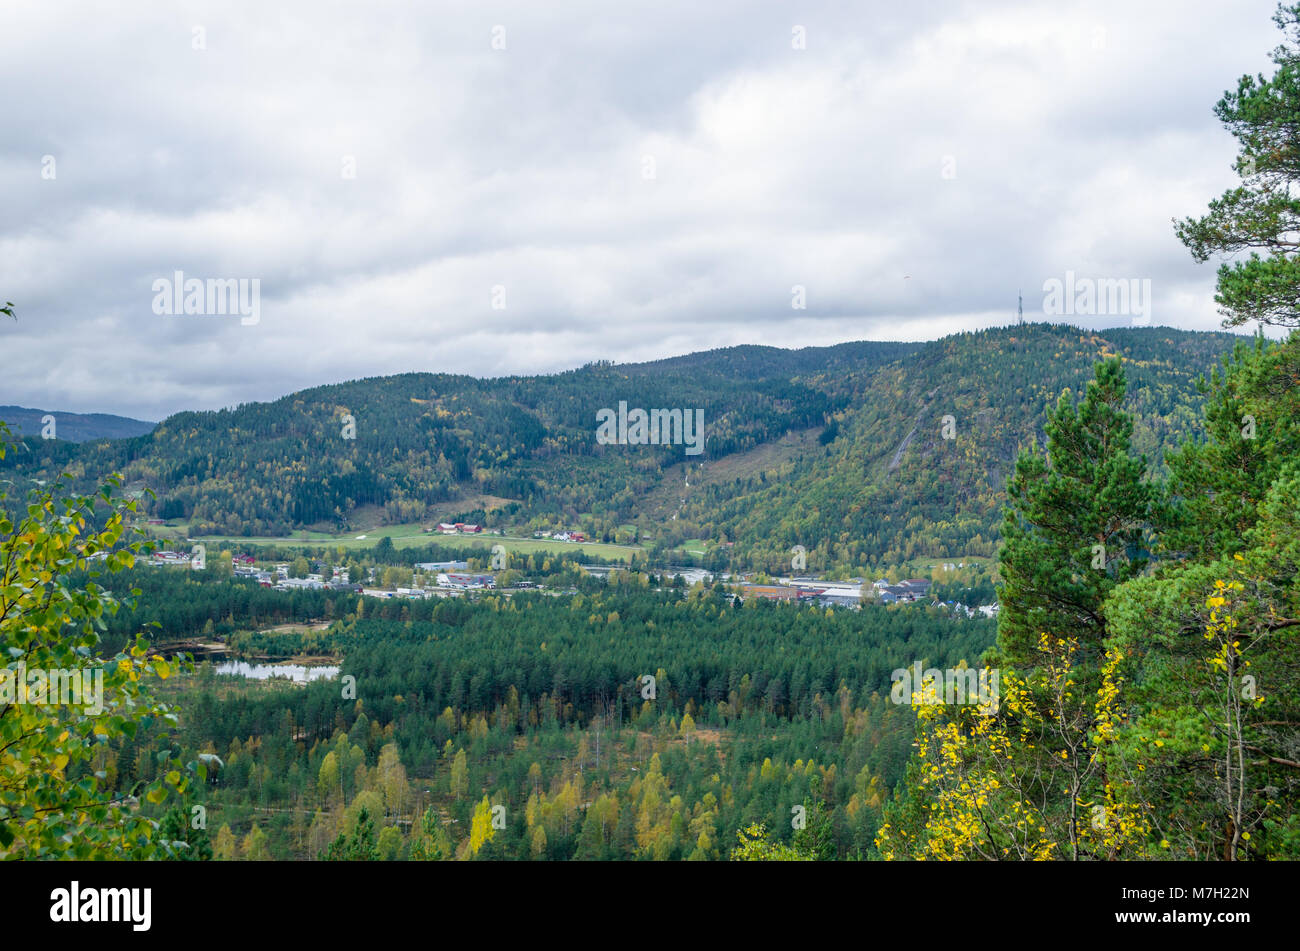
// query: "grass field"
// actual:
[[694, 546], [411, 536]]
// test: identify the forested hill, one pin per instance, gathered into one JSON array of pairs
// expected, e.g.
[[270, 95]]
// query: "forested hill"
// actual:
[[836, 448], [74, 427], [890, 487]]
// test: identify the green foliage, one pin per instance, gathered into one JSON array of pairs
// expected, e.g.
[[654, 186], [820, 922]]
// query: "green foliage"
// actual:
[[891, 489], [422, 439], [536, 703], [1252, 430], [1263, 213], [55, 799], [879, 485], [1076, 524], [188, 843], [756, 847], [1179, 740], [359, 845], [1212, 641]]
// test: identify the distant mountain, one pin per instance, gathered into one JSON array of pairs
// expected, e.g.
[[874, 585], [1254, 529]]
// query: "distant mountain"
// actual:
[[417, 440], [74, 427], [838, 449], [889, 487]]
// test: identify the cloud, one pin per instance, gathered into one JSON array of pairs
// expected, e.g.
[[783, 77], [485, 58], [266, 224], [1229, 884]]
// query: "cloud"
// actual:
[[631, 184]]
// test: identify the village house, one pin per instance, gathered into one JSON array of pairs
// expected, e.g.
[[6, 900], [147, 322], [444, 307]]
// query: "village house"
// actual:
[[896, 592]]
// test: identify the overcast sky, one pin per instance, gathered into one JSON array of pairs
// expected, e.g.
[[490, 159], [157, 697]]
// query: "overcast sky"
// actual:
[[620, 181]]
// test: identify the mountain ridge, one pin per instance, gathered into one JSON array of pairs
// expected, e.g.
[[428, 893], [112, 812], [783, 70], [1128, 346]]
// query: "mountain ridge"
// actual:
[[877, 481], [74, 427]]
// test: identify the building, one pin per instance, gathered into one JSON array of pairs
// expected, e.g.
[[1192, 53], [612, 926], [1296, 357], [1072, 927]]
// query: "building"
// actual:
[[452, 528], [172, 558], [769, 592], [688, 575], [808, 586], [308, 584], [431, 567], [458, 579]]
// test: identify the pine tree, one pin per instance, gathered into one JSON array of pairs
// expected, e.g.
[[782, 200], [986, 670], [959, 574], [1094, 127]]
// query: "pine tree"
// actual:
[[1076, 523], [1217, 485], [1262, 213]]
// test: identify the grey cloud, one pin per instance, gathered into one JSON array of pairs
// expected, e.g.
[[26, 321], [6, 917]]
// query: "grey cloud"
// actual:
[[1077, 131]]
